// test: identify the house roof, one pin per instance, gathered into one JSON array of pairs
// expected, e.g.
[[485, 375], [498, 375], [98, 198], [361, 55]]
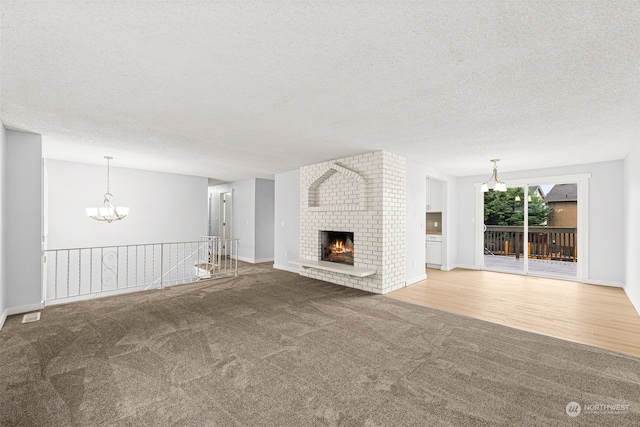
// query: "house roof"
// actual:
[[537, 189], [237, 89], [562, 193]]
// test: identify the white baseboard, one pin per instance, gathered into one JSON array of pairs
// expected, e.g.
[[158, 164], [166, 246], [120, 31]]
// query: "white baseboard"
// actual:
[[466, 267], [24, 309], [255, 261], [104, 294], [416, 279], [3, 317], [19, 310], [633, 303], [602, 283], [291, 269]]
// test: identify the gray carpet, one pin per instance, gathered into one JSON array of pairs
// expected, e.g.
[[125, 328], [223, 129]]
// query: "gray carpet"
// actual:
[[271, 348]]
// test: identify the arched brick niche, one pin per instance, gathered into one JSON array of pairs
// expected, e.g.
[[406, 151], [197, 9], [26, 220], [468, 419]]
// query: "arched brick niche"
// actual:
[[337, 188]]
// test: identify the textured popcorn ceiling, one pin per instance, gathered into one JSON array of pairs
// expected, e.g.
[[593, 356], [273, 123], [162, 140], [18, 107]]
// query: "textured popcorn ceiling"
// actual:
[[236, 89]]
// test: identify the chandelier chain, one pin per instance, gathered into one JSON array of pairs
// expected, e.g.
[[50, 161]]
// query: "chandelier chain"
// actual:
[[108, 213], [108, 168]]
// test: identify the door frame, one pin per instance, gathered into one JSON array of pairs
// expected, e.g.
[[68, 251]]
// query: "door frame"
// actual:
[[582, 181], [226, 224]]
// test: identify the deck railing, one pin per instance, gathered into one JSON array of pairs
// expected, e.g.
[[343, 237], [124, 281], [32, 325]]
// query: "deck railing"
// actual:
[[80, 273], [552, 243]]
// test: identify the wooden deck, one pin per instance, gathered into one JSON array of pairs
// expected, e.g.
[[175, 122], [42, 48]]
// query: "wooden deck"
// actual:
[[600, 316], [561, 269]]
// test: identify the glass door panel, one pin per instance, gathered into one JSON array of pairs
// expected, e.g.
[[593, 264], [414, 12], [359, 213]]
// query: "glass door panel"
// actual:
[[504, 239], [553, 230]]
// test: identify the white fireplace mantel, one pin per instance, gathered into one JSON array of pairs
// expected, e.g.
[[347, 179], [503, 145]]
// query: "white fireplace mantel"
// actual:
[[334, 267]]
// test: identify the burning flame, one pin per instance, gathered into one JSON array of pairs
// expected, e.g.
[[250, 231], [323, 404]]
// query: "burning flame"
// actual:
[[338, 247]]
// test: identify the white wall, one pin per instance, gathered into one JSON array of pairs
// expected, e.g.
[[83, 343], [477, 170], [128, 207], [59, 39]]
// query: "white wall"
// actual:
[[632, 226], [244, 218], [449, 219], [265, 198], [3, 228], [606, 203], [23, 168], [416, 205], [163, 207], [287, 220]]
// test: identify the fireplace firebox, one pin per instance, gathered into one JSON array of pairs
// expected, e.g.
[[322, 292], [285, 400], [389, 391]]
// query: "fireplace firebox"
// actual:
[[337, 246]]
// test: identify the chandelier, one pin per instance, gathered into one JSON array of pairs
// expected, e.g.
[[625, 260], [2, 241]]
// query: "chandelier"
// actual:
[[107, 213], [497, 184]]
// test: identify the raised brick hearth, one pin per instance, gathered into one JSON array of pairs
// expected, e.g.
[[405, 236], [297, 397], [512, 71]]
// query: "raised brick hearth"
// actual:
[[363, 194]]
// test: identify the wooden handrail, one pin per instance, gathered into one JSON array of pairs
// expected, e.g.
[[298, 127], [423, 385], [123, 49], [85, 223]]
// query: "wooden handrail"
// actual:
[[537, 229], [551, 243]]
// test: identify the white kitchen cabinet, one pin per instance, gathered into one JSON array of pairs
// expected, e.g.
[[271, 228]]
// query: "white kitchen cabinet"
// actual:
[[434, 250], [434, 195]]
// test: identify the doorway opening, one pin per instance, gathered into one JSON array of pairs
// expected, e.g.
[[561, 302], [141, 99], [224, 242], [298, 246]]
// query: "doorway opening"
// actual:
[[435, 218], [226, 216]]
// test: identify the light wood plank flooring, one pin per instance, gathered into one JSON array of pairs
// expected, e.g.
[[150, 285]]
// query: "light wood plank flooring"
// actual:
[[600, 316]]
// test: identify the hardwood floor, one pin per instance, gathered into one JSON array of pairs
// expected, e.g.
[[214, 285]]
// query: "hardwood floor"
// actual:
[[600, 316]]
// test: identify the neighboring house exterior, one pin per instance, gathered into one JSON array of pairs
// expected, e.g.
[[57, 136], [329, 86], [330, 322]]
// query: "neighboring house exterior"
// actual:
[[563, 199], [537, 191]]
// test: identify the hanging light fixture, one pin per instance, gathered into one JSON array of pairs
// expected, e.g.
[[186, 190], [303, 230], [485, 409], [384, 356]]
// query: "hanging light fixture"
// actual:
[[107, 213], [497, 184]]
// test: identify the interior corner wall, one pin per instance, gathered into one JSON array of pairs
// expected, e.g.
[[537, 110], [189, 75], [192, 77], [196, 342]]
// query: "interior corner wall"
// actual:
[[632, 226], [286, 240], [449, 220], [23, 174], [415, 227], [3, 228], [164, 207], [265, 199], [606, 208]]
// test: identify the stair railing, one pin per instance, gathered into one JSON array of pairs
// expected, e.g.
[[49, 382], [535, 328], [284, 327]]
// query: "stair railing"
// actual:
[[79, 273]]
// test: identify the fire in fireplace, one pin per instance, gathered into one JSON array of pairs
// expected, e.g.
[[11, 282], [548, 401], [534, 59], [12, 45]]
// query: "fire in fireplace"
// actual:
[[337, 246]]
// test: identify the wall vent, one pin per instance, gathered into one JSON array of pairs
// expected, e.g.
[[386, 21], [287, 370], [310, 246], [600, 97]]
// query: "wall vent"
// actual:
[[31, 317]]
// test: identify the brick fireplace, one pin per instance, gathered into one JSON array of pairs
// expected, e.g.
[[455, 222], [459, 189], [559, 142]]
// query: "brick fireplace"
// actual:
[[362, 200]]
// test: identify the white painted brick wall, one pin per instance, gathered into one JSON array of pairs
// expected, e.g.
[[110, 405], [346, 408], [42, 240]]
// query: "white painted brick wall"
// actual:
[[364, 194]]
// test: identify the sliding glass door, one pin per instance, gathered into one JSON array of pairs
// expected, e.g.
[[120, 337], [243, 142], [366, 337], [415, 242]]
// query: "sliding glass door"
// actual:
[[532, 229]]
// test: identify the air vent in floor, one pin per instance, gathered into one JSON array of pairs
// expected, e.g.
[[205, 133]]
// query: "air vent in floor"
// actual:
[[31, 317]]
